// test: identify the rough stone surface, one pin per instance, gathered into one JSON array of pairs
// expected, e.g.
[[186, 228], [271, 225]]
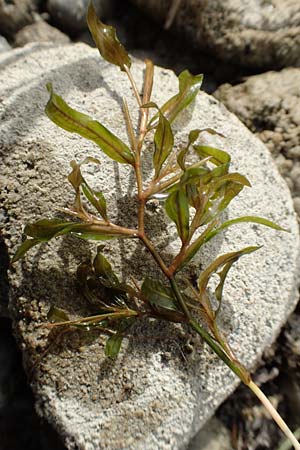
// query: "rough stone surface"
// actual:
[[255, 33], [150, 397], [40, 31], [269, 104], [70, 15], [15, 14]]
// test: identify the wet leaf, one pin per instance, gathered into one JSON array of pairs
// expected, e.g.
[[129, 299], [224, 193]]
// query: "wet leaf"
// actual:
[[57, 315], [164, 141], [249, 219], [24, 247], [158, 295], [177, 208], [106, 40], [113, 345], [76, 122]]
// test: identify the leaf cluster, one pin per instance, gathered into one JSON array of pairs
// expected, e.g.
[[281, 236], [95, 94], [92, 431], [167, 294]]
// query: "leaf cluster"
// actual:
[[194, 184]]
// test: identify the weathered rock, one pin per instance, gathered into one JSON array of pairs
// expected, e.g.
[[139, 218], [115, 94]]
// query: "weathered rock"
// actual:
[[40, 31], [149, 398], [15, 15], [70, 15], [269, 104], [256, 33], [213, 436], [4, 45]]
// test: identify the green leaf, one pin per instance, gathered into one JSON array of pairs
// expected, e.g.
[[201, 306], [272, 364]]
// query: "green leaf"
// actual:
[[219, 192], [218, 157], [113, 345], [104, 269], [227, 259], [249, 219], [24, 247], [193, 136], [106, 40], [97, 199], [164, 141], [57, 315], [158, 295], [71, 120], [177, 208], [46, 229], [189, 86]]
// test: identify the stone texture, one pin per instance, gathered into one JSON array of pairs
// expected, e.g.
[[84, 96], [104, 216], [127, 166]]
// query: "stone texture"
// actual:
[[4, 45], [269, 104], [70, 15], [150, 397], [40, 31], [213, 436], [258, 33], [15, 15]]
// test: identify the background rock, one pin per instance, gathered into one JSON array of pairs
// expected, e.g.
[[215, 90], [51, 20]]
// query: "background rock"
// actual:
[[213, 436], [149, 398], [255, 33], [4, 45], [15, 15], [269, 104], [70, 15], [40, 31]]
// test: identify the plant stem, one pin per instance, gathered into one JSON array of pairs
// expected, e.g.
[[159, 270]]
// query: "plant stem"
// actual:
[[236, 367], [134, 86], [148, 244], [274, 414]]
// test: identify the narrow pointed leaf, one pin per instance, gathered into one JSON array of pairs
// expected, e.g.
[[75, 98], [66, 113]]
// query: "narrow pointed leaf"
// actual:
[[97, 199], [113, 345], [46, 229], [193, 136], [164, 141], [106, 40], [228, 258], [177, 208], [217, 156], [232, 177], [76, 122], [24, 247], [220, 198], [158, 295], [189, 86], [249, 219], [219, 289]]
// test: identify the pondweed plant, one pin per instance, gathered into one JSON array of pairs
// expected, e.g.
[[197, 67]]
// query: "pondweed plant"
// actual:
[[194, 194]]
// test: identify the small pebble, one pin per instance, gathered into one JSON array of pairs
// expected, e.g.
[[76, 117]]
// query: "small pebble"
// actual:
[[294, 152]]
